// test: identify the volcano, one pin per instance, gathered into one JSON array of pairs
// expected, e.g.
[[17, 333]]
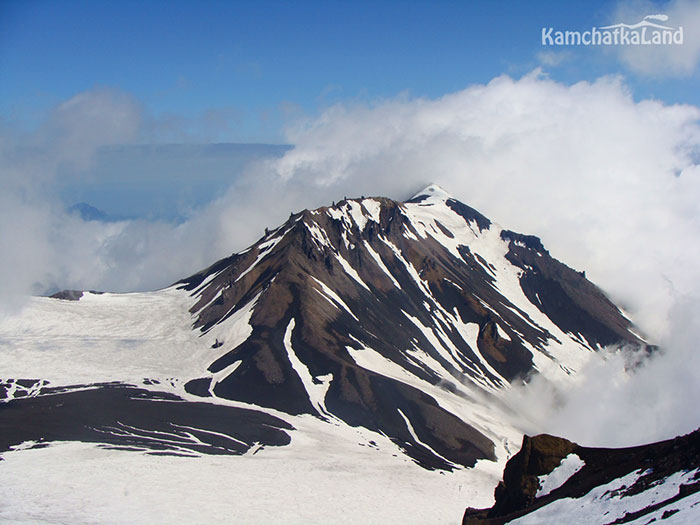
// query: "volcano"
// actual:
[[360, 311], [402, 324]]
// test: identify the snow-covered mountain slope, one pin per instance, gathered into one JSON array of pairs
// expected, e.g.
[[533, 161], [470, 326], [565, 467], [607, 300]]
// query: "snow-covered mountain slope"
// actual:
[[392, 328], [79, 446], [392, 316], [552, 480], [103, 337]]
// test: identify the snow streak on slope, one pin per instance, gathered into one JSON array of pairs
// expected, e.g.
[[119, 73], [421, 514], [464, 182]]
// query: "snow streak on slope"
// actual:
[[232, 332], [352, 272], [381, 264], [333, 297], [316, 387]]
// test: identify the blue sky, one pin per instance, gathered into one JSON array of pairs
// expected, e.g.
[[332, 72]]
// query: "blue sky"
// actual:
[[241, 71], [248, 71]]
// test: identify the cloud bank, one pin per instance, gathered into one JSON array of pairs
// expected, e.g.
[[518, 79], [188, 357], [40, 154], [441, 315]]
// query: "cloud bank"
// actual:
[[610, 184], [38, 239], [662, 61], [608, 405]]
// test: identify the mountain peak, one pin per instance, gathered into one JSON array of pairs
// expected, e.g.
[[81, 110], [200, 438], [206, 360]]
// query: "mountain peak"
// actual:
[[432, 191], [374, 313]]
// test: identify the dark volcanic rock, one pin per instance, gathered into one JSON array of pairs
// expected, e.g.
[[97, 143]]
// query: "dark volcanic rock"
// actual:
[[469, 214], [564, 295], [137, 419], [539, 455], [68, 295]]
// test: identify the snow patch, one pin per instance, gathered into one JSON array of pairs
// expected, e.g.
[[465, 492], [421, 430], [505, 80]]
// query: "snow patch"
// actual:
[[381, 264], [316, 387], [569, 466], [355, 210], [331, 296], [417, 439], [319, 235], [374, 209], [502, 333], [351, 271], [612, 501]]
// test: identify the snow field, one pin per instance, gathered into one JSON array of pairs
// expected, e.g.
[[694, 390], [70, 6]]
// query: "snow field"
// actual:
[[328, 474]]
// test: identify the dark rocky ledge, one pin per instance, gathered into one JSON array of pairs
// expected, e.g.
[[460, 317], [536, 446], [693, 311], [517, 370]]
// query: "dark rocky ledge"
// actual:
[[539, 455], [72, 295], [129, 418], [68, 295]]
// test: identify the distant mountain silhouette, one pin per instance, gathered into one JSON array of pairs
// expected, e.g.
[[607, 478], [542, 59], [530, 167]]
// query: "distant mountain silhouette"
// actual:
[[90, 213]]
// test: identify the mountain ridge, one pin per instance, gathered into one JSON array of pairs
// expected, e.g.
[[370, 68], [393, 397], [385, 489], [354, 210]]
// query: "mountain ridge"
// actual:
[[424, 275]]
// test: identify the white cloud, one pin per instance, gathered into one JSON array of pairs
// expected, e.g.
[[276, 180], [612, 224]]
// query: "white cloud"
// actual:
[[43, 248], [662, 60], [39, 242], [611, 403], [553, 58]]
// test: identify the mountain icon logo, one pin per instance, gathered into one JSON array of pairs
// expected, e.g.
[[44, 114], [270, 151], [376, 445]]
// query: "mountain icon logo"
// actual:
[[644, 22]]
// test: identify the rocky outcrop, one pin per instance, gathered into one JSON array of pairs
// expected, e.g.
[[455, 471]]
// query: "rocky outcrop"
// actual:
[[654, 465], [68, 295], [538, 455], [72, 295]]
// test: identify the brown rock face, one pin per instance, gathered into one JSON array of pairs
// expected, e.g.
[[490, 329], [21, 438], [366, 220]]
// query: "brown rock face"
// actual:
[[539, 455]]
